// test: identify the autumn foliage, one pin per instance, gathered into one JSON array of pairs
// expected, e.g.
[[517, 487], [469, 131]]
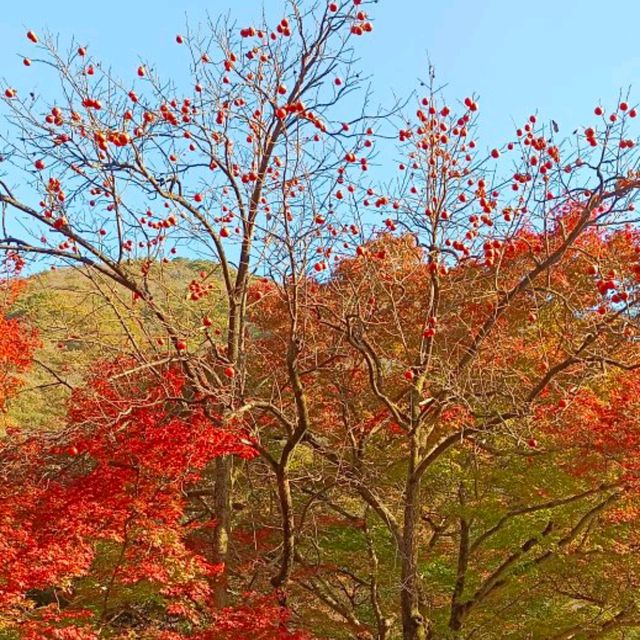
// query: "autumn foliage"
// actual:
[[17, 342], [309, 391]]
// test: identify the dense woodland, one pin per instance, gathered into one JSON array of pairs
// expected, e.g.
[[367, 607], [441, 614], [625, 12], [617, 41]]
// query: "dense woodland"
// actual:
[[279, 363]]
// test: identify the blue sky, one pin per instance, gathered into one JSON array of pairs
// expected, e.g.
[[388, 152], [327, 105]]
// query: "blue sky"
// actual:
[[560, 57]]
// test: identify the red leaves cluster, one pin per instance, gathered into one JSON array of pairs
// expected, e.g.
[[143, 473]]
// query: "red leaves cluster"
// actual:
[[602, 425], [114, 482], [17, 342]]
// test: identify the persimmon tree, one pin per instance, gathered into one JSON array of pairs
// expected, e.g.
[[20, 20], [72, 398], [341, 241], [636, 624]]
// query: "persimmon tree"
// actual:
[[388, 410], [128, 175], [468, 332]]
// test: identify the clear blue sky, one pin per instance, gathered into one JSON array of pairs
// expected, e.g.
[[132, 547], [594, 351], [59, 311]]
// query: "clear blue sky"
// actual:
[[558, 56]]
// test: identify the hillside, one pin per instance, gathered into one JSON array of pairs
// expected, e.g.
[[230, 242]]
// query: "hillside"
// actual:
[[81, 319]]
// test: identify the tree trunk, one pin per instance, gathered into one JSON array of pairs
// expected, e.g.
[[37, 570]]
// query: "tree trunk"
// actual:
[[223, 481], [288, 529], [414, 626], [223, 489], [458, 609]]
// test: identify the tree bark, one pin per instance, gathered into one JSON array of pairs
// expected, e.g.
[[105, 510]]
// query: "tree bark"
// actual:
[[288, 529], [223, 489], [414, 626]]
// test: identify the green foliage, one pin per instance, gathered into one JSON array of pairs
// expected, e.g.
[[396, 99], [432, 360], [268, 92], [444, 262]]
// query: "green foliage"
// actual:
[[83, 318]]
